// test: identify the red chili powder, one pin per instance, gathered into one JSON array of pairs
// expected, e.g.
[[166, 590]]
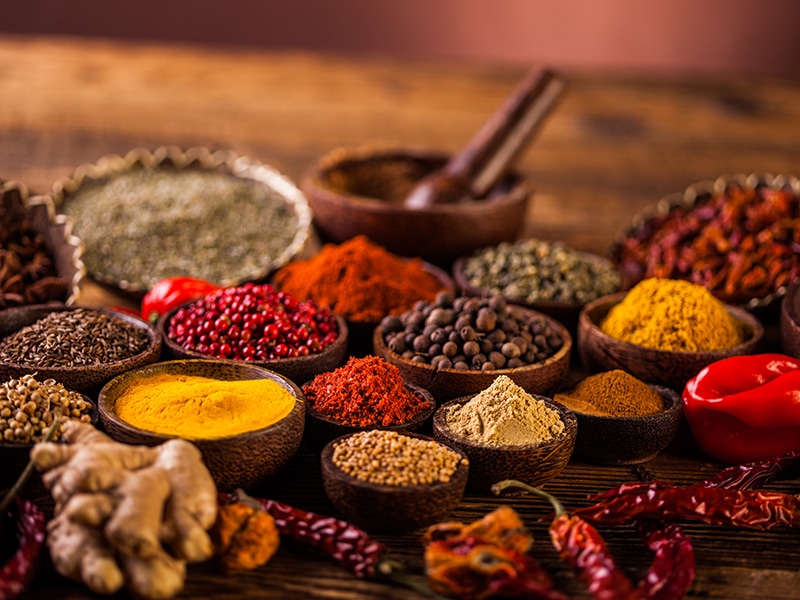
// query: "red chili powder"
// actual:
[[364, 392]]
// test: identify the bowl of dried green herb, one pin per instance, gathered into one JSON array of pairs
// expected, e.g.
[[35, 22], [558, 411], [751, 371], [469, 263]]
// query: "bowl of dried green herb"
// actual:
[[213, 215], [79, 347], [40, 257]]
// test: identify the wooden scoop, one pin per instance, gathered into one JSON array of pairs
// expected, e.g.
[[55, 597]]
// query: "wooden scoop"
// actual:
[[471, 173]]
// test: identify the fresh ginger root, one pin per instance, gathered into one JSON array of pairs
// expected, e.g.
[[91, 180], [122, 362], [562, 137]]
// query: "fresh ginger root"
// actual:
[[126, 515]]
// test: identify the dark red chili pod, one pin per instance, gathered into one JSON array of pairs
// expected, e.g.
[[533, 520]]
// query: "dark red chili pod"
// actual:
[[18, 572]]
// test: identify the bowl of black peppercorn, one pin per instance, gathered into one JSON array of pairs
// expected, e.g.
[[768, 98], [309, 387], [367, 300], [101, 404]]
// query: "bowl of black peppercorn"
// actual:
[[457, 345]]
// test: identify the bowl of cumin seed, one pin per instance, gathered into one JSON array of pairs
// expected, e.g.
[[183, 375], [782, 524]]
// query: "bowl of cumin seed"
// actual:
[[81, 348]]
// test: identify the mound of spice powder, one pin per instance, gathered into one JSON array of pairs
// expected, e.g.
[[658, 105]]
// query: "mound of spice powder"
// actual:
[[670, 314], [359, 280], [615, 393], [364, 392]]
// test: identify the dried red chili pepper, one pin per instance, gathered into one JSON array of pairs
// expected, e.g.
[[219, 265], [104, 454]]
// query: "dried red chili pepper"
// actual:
[[744, 408], [172, 292], [18, 572], [673, 568], [582, 547], [753, 474]]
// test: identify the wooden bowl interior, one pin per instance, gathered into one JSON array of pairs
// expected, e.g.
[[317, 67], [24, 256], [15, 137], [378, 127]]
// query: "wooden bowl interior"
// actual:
[[531, 464]]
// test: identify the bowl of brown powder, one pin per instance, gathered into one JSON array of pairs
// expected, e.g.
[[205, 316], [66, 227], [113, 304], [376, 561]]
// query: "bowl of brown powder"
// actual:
[[508, 433], [621, 419]]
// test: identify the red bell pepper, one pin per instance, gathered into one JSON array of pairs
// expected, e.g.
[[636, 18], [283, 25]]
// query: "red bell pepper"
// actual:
[[171, 292], [745, 408]]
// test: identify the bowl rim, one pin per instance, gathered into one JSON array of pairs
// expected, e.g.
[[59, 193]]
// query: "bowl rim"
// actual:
[[312, 179], [689, 197], [153, 346], [673, 410], [458, 478], [565, 413], [742, 315], [199, 158], [789, 305], [105, 411], [563, 353]]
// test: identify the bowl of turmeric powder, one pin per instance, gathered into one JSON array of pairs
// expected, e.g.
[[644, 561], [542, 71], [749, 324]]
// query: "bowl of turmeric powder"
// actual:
[[247, 421], [664, 331]]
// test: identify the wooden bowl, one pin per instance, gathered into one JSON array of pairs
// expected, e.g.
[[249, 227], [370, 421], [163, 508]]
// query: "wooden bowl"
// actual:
[[61, 245], [790, 321], [534, 464], [612, 440], [564, 312], [385, 508], [360, 191], [298, 369], [87, 379], [321, 429], [447, 384], [601, 352], [135, 259], [242, 460]]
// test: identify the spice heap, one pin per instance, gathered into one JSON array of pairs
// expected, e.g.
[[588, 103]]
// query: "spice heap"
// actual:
[[253, 322], [27, 269], [28, 407], [471, 333], [504, 414], [74, 338], [390, 458], [615, 393], [207, 225], [740, 243], [359, 280], [534, 270], [364, 392], [666, 314], [201, 407]]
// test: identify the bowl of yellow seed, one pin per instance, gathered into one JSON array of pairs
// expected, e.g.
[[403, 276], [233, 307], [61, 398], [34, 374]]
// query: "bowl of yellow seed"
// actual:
[[388, 481]]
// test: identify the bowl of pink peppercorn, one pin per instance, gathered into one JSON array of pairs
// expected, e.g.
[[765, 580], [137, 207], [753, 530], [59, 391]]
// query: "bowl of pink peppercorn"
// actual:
[[257, 324]]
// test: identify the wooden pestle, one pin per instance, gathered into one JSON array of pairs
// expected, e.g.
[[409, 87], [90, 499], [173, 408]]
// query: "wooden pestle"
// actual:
[[486, 158]]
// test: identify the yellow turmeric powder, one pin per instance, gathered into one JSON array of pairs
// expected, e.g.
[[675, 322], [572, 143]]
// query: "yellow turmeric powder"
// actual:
[[195, 407], [668, 314]]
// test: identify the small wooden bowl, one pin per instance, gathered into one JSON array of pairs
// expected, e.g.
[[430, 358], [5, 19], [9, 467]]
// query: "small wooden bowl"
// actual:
[[238, 461], [384, 508], [320, 429], [361, 191], [447, 384], [601, 352], [565, 313], [64, 247], [790, 321], [610, 440], [531, 464], [298, 369], [84, 379]]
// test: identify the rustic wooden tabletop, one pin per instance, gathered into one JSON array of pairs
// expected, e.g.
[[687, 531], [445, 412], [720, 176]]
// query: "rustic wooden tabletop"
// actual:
[[613, 146]]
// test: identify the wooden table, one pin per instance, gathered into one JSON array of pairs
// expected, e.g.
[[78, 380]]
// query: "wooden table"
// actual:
[[613, 146]]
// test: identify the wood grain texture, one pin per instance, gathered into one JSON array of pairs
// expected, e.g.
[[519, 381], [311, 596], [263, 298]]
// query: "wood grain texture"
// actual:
[[612, 147]]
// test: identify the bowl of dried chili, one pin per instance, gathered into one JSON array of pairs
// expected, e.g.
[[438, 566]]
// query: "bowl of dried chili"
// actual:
[[734, 235], [363, 394]]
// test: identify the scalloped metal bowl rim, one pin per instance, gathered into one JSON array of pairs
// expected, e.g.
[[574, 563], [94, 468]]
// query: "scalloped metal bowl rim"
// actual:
[[462, 470], [566, 414], [738, 312], [58, 221], [105, 411], [463, 283], [236, 165], [689, 196], [665, 414]]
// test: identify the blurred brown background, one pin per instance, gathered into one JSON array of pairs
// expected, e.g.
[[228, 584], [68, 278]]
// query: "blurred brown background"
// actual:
[[635, 36]]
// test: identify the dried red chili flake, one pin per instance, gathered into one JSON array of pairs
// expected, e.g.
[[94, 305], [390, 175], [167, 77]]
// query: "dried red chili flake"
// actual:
[[741, 244], [367, 391]]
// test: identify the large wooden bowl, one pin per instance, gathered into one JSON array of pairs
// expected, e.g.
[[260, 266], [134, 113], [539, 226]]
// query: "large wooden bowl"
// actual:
[[601, 352], [360, 191], [385, 508], [534, 464], [790, 321], [447, 384], [237, 461], [86, 379]]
